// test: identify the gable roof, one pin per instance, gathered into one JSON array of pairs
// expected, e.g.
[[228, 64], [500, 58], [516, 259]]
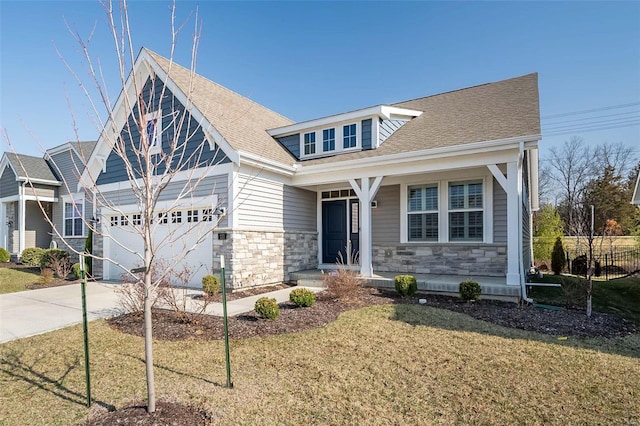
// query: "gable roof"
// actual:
[[31, 168], [242, 122], [84, 148], [489, 112]]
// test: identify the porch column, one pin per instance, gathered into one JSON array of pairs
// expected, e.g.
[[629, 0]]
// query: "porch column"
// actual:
[[366, 191], [3, 226], [22, 218], [514, 223]]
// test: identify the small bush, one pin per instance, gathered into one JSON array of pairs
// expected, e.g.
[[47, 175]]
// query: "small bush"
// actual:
[[76, 271], [32, 256], [557, 257], [406, 285], [302, 297], [210, 284], [58, 260], [469, 290], [46, 276], [575, 292], [342, 284], [267, 308], [4, 255]]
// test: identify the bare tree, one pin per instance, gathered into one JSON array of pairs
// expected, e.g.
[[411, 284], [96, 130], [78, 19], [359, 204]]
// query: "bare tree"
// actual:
[[571, 167], [160, 146]]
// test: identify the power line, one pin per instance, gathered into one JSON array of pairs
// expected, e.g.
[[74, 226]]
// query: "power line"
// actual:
[[608, 121], [590, 110], [559, 132], [596, 117]]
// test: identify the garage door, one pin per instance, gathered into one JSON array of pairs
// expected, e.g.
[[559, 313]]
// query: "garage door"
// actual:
[[181, 236]]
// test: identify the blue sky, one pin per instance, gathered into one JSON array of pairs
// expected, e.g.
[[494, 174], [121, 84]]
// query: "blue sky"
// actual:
[[310, 59]]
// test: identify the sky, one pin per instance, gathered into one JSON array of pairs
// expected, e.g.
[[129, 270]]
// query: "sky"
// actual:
[[307, 60]]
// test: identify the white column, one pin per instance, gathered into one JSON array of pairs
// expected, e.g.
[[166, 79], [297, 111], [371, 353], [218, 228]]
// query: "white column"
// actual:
[[514, 223], [3, 226], [366, 191], [22, 218]]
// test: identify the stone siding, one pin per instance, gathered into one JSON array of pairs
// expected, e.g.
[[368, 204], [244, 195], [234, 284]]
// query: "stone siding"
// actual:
[[255, 258], [442, 259], [75, 243]]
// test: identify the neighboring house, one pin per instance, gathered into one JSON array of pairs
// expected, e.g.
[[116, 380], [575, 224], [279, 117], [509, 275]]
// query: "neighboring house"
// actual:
[[444, 184], [635, 199], [38, 191]]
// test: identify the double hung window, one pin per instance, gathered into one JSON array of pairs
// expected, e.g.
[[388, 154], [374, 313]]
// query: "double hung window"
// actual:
[[466, 215], [422, 209], [73, 211]]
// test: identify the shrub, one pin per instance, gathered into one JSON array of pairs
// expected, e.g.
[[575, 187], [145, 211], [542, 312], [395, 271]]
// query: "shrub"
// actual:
[[574, 291], [302, 297], [342, 284], [76, 271], [46, 276], [406, 285], [4, 255], [32, 256], [557, 257], [469, 290], [58, 260], [267, 308], [210, 284]]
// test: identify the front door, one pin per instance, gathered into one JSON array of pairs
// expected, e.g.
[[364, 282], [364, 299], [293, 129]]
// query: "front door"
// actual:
[[334, 230], [340, 230]]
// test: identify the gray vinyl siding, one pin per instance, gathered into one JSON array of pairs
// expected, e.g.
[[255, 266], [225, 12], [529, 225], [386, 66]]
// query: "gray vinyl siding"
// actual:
[[212, 185], [300, 208], [263, 203], [41, 190], [385, 219], [499, 214], [69, 167], [37, 228], [366, 134], [388, 127], [190, 132], [526, 239], [292, 143], [8, 184]]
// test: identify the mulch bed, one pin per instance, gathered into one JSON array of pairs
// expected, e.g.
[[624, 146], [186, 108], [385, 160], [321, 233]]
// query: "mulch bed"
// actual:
[[167, 326], [166, 414], [239, 294]]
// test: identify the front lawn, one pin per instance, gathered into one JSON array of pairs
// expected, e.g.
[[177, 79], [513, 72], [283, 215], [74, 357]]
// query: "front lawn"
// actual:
[[388, 364], [620, 296], [12, 280]]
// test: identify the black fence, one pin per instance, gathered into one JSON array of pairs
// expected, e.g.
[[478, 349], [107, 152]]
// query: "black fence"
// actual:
[[616, 263]]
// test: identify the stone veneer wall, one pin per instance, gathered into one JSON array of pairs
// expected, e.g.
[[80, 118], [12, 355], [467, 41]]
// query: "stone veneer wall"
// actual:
[[442, 259], [255, 258], [75, 243]]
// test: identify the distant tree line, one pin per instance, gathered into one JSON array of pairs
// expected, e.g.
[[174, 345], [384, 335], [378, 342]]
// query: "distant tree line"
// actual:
[[576, 176]]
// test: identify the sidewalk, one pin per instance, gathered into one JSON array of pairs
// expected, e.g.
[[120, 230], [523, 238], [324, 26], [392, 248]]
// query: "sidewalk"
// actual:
[[32, 312]]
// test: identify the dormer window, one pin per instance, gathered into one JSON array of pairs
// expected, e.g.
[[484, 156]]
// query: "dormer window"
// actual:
[[349, 137], [328, 140], [153, 129], [309, 143]]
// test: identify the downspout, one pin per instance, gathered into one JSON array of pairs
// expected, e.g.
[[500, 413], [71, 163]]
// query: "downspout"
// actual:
[[523, 284]]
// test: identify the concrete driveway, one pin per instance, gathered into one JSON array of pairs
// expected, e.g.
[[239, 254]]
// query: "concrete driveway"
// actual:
[[31, 312]]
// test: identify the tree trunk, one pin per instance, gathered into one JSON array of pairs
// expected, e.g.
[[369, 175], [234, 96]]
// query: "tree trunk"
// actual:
[[148, 338], [589, 291]]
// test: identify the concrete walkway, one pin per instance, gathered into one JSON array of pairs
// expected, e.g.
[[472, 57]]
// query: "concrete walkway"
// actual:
[[32, 312]]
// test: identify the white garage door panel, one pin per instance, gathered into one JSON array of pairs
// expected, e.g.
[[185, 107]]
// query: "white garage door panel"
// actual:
[[172, 241]]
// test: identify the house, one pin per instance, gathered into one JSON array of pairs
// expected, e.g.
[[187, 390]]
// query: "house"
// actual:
[[440, 185], [35, 193]]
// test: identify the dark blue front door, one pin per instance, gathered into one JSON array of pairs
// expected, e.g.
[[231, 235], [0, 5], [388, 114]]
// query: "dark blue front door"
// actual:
[[334, 230]]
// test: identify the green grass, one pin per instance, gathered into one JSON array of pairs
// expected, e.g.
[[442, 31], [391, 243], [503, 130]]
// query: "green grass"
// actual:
[[391, 364], [12, 280], [621, 296]]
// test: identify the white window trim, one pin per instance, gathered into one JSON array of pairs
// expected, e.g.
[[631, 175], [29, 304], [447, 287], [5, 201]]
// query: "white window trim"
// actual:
[[157, 114], [438, 212], [443, 210], [339, 145], [73, 199]]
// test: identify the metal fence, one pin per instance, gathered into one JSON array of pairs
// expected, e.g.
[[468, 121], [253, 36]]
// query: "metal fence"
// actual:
[[616, 263]]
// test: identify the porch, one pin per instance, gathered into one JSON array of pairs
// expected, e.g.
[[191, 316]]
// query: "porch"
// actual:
[[492, 287]]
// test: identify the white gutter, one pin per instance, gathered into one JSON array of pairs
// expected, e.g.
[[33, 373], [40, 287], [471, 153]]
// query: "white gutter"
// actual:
[[261, 162], [41, 181], [523, 283]]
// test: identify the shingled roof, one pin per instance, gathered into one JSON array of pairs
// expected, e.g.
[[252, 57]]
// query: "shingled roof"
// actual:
[[31, 168], [242, 122], [492, 111]]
